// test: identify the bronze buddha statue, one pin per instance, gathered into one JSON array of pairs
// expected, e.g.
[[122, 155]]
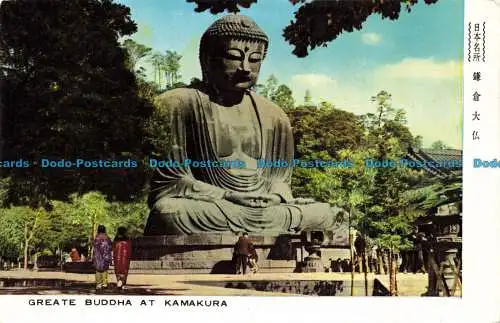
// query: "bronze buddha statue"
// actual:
[[222, 119]]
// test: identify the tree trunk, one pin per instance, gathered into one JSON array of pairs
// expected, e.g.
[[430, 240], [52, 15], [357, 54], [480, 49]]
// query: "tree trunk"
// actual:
[[396, 279], [158, 69], [392, 274], [360, 261], [91, 236], [351, 248], [365, 269], [26, 247], [380, 267], [352, 273], [25, 266], [385, 255]]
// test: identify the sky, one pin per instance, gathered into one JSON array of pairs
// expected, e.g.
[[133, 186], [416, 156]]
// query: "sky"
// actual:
[[417, 58]]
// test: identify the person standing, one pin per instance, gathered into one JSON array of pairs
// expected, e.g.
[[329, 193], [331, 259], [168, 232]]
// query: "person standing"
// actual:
[[242, 250], [102, 257], [122, 250]]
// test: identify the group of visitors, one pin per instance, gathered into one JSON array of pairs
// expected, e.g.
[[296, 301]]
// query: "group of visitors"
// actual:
[[408, 261], [106, 252], [245, 255], [340, 265]]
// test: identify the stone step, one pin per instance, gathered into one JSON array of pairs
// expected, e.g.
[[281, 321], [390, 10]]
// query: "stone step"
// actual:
[[206, 266]]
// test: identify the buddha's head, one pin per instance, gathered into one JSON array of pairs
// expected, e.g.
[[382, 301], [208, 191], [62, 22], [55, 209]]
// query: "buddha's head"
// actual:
[[231, 52]]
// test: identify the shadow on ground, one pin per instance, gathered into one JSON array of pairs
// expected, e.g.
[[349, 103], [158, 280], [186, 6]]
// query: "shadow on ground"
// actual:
[[297, 287], [13, 286]]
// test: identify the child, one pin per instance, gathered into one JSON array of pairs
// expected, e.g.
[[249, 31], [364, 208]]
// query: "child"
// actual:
[[252, 260]]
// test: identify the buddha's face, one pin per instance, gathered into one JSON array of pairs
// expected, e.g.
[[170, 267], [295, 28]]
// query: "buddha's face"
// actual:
[[238, 65]]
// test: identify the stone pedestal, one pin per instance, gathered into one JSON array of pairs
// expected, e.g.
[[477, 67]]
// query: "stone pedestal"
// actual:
[[213, 253], [209, 253]]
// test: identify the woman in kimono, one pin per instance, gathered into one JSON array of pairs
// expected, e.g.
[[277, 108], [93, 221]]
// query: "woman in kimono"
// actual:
[[122, 249], [102, 257]]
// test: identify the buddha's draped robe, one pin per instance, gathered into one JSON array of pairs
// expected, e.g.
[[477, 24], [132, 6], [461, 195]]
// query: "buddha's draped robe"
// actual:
[[186, 200]]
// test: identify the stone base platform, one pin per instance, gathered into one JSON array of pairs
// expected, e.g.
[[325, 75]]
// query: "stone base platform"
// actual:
[[213, 253]]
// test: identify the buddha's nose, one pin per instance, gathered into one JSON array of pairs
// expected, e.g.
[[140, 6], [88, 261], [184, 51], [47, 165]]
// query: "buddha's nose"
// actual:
[[245, 66]]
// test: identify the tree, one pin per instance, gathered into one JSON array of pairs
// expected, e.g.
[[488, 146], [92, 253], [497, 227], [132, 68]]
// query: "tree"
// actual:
[[387, 121], [171, 65], [69, 96], [417, 142], [280, 94], [324, 129], [64, 234], [132, 216], [319, 22], [385, 220], [283, 97], [158, 62], [269, 87], [22, 229], [135, 52], [438, 145], [11, 238], [216, 7], [89, 211], [374, 196]]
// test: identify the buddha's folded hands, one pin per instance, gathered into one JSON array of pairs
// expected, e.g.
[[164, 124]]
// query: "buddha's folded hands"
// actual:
[[253, 199]]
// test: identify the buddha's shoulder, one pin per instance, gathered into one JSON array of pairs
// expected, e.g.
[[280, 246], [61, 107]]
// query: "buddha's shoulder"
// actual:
[[270, 107], [178, 95]]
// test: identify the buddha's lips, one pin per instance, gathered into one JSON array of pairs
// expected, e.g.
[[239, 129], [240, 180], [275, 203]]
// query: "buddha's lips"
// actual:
[[240, 78]]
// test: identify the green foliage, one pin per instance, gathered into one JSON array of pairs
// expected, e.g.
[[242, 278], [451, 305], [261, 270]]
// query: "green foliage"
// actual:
[[157, 60], [74, 94], [135, 52], [319, 133], [319, 22], [269, 86], [417, 142], [280, 94], [219, 6], [380, 200], [283, 97], [167, 65], [158, 132], [324, 129], [171, 66], [67, 224], [438, 145], [389, 215], [11, 232], [81, 91], [132, 216], [346, 187], [21, 230]]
